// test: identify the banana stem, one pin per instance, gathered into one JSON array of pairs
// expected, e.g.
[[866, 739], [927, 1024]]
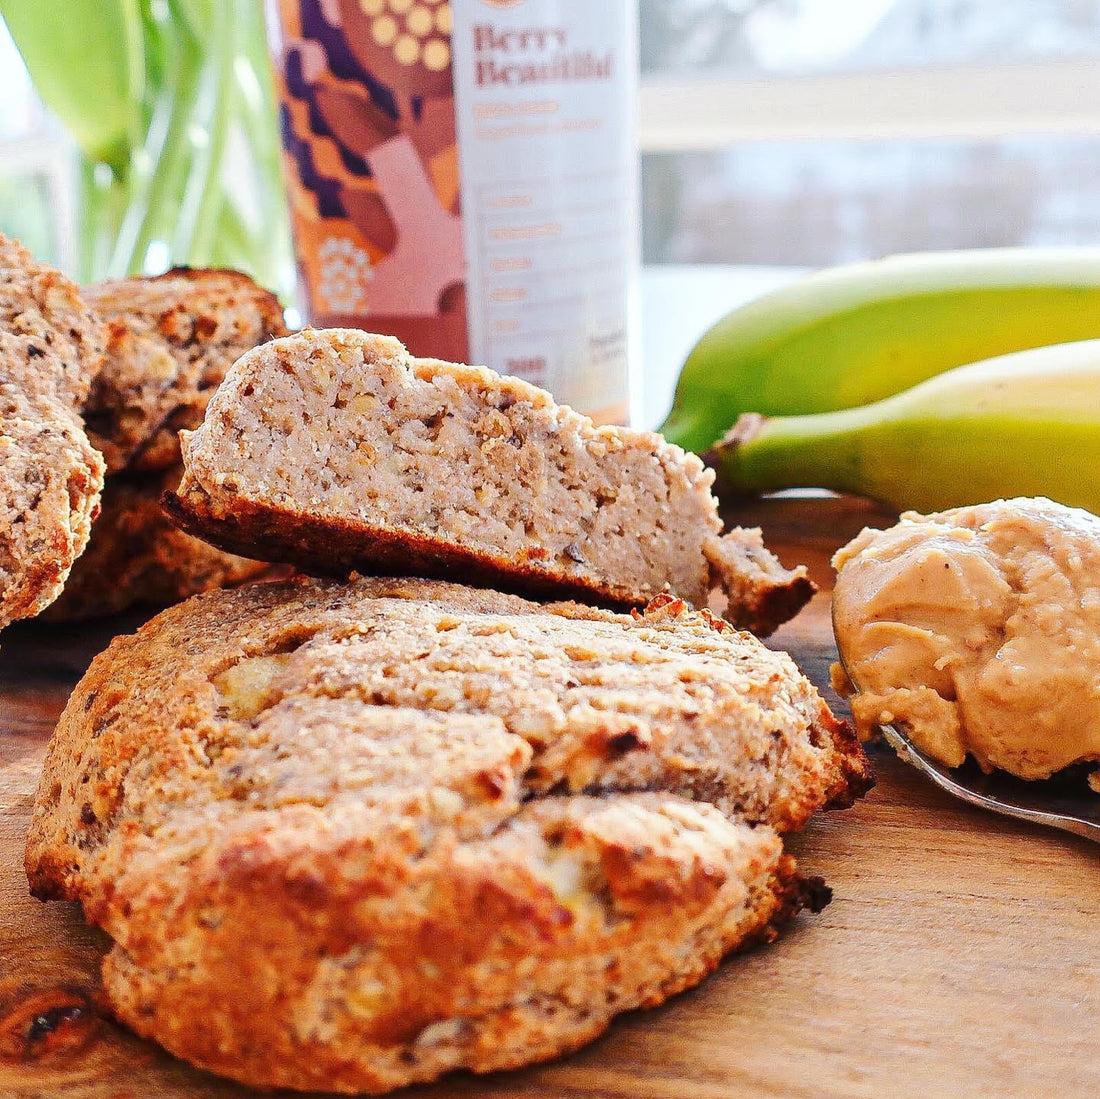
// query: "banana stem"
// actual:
[[762, 453]]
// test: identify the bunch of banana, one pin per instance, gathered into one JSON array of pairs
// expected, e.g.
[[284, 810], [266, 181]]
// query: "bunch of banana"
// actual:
[[1025, 424], [855, 334]]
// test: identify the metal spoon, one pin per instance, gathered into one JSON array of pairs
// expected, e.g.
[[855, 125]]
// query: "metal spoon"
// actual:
[[1060, 802], [1054, 801]]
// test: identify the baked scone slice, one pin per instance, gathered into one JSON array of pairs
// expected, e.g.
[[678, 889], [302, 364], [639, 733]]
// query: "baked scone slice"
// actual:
[[50, 476], [335, 451], [137, 557], [171, 340], [415, 826], [57, 345], [50, 481], [361, 960]]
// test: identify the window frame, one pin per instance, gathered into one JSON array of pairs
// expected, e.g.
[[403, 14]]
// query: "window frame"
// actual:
[[977, 101], [52, 157]]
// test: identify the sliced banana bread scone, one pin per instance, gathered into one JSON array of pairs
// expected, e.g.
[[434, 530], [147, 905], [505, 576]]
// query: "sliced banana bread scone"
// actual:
[[335, 450], [60, 340], [171, 339], [51, 347], [352, 836]]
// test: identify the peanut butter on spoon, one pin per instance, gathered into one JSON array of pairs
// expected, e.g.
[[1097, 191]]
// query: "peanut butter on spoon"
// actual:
[[978, 629]]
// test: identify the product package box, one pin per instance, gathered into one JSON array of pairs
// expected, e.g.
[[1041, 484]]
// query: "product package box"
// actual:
[[464, 176]]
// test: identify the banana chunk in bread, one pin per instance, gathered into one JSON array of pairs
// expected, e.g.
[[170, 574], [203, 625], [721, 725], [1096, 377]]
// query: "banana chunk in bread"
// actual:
[[353, 836], [337, 451]]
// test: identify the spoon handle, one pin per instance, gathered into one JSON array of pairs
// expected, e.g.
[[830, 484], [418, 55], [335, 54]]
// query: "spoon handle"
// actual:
[[1011, 798]]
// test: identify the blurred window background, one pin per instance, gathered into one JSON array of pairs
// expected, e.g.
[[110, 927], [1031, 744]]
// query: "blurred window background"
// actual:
[[810, 132], [37, 167], [791, 132]]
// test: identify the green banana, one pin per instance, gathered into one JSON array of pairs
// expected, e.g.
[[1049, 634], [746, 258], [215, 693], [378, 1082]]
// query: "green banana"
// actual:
[[850, 335], [1026, 424]]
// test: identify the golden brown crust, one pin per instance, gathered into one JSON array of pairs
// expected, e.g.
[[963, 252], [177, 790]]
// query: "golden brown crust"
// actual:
[[330, 547], [853, 776], [466, 956], [417, 826], [171, 339], [336, 548], [137, 557]]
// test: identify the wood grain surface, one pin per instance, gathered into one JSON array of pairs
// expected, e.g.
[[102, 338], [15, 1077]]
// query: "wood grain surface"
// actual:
[[959, 956]]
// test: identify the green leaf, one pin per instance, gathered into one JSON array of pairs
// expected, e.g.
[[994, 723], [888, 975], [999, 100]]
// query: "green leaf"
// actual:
[[199, 17], [87, 60]]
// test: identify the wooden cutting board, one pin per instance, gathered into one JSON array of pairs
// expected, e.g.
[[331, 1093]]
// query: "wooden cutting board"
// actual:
[[960, 955]]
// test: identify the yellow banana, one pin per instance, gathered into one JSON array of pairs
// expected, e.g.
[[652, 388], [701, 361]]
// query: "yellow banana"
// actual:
[[1026, 424], [850, 335]]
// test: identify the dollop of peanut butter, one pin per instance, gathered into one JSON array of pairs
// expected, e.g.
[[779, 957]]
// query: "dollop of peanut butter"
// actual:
[[978, 630]]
